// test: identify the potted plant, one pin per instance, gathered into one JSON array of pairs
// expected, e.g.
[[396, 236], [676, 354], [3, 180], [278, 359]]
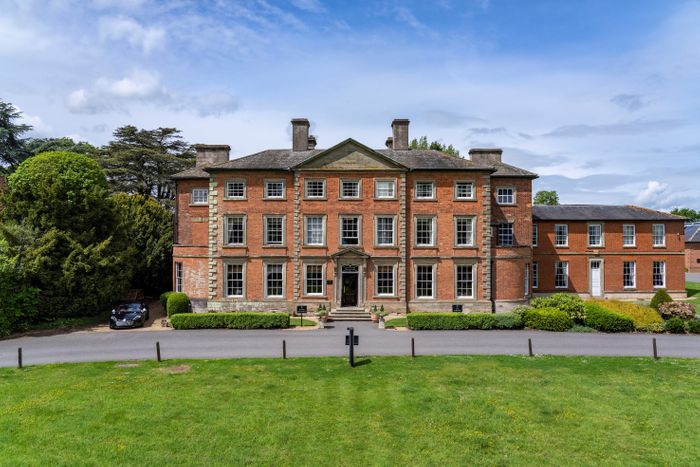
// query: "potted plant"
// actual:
[[373, 314], [322, 315], [380, 315]]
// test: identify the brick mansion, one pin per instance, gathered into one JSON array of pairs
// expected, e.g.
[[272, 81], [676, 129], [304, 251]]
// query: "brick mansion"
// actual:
[[414, 230]]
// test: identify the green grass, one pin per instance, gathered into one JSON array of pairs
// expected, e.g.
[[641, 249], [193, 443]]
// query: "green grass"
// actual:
[[396, 323], [298, 321], [463, 410], [693, 289]]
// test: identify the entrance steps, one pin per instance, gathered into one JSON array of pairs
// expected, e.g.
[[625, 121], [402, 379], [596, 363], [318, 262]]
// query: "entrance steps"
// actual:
[[349, 314]]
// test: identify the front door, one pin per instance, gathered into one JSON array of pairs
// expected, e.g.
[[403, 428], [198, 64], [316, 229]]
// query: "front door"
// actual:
[[348, 295], [596, 278]]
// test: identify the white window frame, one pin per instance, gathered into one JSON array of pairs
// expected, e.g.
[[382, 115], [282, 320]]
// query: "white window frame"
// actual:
[[535, 235], [245, 229], [634, 235], [341, 187], [376, 230], [385, 180], [306, 229], [284, 281], [470, 241], [501, 199], [193, 197], [512, 234], [535, 275], [230, 182], [306, 280], [267, 217], [566, 236], [433, 228], [341, 237], [178, 276], [314, 180], [601, 243], [456, 281], [633, 274], [566, 274], [472, 193], [415, 280], [242, 264], [424, 198], [654, 236], [271, 181], [393, 279], [663, 274], [527, 280]]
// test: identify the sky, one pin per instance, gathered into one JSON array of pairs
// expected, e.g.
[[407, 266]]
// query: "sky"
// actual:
[[600, 98]]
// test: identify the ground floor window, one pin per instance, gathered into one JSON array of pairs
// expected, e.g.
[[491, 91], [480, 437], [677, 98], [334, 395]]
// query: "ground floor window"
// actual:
[[178, 277], [424, 280], [274, 280], [629, 278], [234, 280], [464, 280], [385, 279], [314, 279], [561, 274], [659, 274], [535, 275]]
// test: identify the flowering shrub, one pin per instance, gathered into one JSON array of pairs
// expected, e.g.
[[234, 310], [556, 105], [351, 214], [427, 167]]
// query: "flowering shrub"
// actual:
[[680, 309]]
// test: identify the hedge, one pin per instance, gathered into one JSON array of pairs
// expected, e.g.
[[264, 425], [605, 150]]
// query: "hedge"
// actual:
[[572, 305], [235, 320], [675, 325], [178, 302], [450, 321], [604, 320], [644, 317], [694, 326], [547, 319], [164, 299], [508, 321]]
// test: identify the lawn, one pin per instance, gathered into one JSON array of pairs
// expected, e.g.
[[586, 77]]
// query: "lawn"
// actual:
[[318, 411], [298, 321], [693, 289], [396, 323]]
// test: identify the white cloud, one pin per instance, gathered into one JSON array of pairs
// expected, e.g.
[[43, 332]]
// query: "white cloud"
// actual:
[[314, 6], [125, 28], [107, 94], [213, 104], [652, 192]]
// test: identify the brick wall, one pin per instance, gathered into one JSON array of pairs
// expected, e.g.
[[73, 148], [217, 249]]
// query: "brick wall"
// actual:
[[692, 257]]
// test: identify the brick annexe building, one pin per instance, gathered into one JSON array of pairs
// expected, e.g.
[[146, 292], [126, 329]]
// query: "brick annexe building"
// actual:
[[413, 230]]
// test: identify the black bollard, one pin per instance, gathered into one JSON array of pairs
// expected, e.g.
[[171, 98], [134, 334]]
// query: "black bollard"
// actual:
[[284, 349], [656, 354], [19, 357], [413, 347], [158, 350], [529, 347]]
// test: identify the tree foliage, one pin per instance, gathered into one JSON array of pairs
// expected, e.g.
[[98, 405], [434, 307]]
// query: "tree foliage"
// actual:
[[691, 214], [142, 161], [38, 145], [549, 198], [12, 149], [422, 143]]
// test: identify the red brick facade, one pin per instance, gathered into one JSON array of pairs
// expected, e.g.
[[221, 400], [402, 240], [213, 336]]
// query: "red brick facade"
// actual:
[[692, 257]]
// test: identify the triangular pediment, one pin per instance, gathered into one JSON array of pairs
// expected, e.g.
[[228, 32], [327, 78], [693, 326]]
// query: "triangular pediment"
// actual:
[[350, 155], [349, 252]]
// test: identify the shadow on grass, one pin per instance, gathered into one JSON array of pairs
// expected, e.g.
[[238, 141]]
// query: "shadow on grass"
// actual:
[[366, 361]]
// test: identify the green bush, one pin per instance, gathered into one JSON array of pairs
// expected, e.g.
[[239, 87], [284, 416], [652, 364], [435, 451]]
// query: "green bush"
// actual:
[[164, 299], [237, 320], [450, 321], [547, 319], [694, 326], [683, 310], [604, 320], [18, 302], [508, 321], [572, 305], [675, 325], [178, 302], [660, 297], [644, 317]]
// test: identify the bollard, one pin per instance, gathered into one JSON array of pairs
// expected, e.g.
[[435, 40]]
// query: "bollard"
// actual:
[[158, 350], [413, 347], [656, 355], [284, 349], [19, 357], [529, 347]]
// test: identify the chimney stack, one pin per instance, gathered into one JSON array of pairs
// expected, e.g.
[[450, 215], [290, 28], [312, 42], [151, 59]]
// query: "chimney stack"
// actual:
[[399, 130], [300, 134], [486, 156], [211, 154]]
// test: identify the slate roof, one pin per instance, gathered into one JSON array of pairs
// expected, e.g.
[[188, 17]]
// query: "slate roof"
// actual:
[[598, 212], [194, 172], [692, 233]]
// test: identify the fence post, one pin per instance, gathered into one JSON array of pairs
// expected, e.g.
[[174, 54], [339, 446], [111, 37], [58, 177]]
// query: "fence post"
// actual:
[[529, 347], [656, 354], [284, 349], [413, 347], [158, 351], [19, 357]]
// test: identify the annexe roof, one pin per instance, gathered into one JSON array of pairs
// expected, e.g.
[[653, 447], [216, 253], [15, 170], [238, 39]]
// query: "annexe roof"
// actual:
[[692, 233], [598, 212]]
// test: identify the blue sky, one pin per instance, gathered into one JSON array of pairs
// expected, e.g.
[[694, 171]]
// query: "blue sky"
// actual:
[[601, 98]]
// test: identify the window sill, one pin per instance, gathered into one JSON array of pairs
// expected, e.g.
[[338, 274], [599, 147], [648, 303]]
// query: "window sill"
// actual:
[[314, 246], [235, 199], [305, 198], [425, 200], [275, 246], [386, 247], [425, 247], [466, 247], [596, 247], [507, 204], [199, 205], [561, 246], [379, 297], [629, 246], [314, 297], [386, 199], [350, 199], [274, 199], [659, 247], [469, 200], [234, 246]]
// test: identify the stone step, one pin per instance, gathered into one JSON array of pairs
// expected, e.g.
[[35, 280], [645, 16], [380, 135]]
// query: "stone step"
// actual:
[[343, 312], [350, 318]]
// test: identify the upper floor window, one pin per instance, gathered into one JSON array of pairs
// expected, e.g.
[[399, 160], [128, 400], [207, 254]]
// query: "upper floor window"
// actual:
[[350, 230], [658, 235], [235, 230], [274, 189], [385, 189], [464, 190], [350, 189], [425, 231], [315, 188], [504, 234], [235, 189], [561, 235], [595, 234], [200, 195], [385, 231], [274, 230], [629, 235], [315, 234], [505, 195], [425, 190], [535, 234], [464, 231]]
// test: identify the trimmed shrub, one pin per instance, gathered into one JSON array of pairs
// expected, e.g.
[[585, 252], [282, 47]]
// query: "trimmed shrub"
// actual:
[[572, 305], [604, 320], [508, 321], [178, 302], [236, 320], [644, 317], [683, 310], [164, 299], [520, 310], [675, 325], [547, 319], [450, 321], [694, 326], [660, 297]]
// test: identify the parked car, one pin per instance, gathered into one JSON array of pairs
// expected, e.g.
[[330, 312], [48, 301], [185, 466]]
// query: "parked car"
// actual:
[[129, 315]]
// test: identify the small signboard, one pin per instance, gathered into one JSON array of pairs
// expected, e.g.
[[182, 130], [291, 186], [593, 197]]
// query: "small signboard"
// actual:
[[301, 309], [457, 308], [356, 340]]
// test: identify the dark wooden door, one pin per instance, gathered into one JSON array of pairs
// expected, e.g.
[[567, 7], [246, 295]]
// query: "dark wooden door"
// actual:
[[348, 295]]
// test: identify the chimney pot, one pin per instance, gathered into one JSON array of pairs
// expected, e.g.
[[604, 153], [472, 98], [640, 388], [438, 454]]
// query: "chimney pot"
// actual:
[[399, 130], [486, 156], [312, 142], [300, 134], [389, 142], [211, 154]]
